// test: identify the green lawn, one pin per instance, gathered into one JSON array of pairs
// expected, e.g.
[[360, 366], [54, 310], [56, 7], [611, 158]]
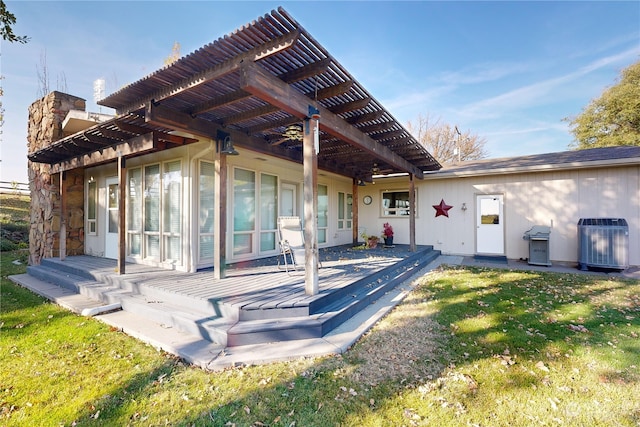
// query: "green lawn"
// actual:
[[14, 221], [467, 347]]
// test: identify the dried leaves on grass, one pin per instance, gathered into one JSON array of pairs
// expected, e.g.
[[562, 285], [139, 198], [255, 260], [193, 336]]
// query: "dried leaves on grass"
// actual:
[[404, 346]]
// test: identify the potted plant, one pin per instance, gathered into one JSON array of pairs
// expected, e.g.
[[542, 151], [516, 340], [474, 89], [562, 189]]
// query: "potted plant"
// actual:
[[372, 241], [387, 234]]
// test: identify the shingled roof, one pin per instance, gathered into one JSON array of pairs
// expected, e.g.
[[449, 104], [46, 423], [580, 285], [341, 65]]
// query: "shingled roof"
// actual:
[[574, 159]]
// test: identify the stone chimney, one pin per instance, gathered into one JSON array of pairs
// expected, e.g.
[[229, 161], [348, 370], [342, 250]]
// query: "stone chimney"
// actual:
[[45, 127]]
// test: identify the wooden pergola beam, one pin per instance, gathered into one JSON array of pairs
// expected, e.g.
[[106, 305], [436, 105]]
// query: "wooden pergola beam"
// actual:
[[364, 118], [219, 101], [306, 71], [161, 136], [349, 106], [137, 145], [259, 52], [276, 92], [160, 115]]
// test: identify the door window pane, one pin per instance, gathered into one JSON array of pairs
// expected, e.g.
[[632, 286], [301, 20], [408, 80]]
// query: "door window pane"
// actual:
[[267, 241], [489, 211], [268, 200], [242, 244], [323, 211], [349, 211], [172, 197], [152, 198], [134, 212], [152, 211], [207, 171], [92, 211], [268, 211], [244, 196], [172, 209], [341, 210], [206, 197], [113, 207]]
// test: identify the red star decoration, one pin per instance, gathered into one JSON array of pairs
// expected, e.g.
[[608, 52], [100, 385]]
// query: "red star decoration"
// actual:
[[442, 209]]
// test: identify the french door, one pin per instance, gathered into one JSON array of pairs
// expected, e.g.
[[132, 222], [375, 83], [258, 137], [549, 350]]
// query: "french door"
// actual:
[[111, 216], [155, 220]]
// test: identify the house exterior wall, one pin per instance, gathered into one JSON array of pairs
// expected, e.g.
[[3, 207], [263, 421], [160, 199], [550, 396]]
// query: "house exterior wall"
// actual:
[[190, 156], [557, 199]]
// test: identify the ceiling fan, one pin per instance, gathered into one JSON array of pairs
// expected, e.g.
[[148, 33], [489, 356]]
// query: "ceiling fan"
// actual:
[[375, 170], [292, 133]]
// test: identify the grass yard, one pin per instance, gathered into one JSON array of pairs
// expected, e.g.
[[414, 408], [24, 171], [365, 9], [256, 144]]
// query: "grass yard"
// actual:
[[469, 347], [14, 222]]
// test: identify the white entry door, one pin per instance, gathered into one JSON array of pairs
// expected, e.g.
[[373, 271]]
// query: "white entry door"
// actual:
[[111, 217], [490, 224], [288, 199]]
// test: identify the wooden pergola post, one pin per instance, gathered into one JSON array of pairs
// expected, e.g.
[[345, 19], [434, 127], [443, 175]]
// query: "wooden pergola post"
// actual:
[[62, 244], [310, 209], [122, 225], [412, 213], [354, 211], [220, 207]]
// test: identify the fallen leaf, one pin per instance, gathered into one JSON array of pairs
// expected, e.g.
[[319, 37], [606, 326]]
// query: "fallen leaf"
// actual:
[[247, 410], [540, 365]]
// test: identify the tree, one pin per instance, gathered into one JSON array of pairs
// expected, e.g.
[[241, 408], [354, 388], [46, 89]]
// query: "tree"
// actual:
[[445, 142], [175, 54], [44, 80], [613, 118], [7, 20]]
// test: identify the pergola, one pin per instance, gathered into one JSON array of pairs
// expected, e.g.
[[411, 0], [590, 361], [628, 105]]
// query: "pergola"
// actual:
[[267, 86]]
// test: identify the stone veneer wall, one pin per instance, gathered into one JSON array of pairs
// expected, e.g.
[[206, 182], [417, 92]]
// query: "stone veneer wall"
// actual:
[[45, 127]]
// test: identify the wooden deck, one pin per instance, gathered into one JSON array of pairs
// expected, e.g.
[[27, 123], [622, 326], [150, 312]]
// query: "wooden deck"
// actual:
[[255, 298]]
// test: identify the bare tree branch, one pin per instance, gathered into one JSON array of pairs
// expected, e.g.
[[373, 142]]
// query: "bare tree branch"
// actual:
[[445, 142]]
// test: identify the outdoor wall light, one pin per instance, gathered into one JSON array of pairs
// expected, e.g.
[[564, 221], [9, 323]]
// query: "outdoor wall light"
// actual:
[[463, 207], [225, 144], [361, 183]]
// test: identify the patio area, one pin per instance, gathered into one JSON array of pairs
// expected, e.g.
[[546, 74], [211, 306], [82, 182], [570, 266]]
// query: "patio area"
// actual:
[[256, 303]]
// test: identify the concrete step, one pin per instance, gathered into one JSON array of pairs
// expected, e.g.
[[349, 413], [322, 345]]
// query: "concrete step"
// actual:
[[79, 284], [210, 327], [154, 306], [133, 283]]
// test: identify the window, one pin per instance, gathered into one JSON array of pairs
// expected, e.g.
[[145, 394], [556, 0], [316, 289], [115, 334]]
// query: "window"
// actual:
[[207, 199], [172, 210], [323, 211], [395, 203], [244, 211], [92, 210], [134, 212], [268, 212], [152, 211], [345, 210]]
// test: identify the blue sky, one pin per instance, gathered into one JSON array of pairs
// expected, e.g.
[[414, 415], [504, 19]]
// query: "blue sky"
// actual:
[[506, 71]]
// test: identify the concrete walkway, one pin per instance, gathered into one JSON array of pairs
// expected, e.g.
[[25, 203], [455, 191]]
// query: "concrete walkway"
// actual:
[[210, 356]]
